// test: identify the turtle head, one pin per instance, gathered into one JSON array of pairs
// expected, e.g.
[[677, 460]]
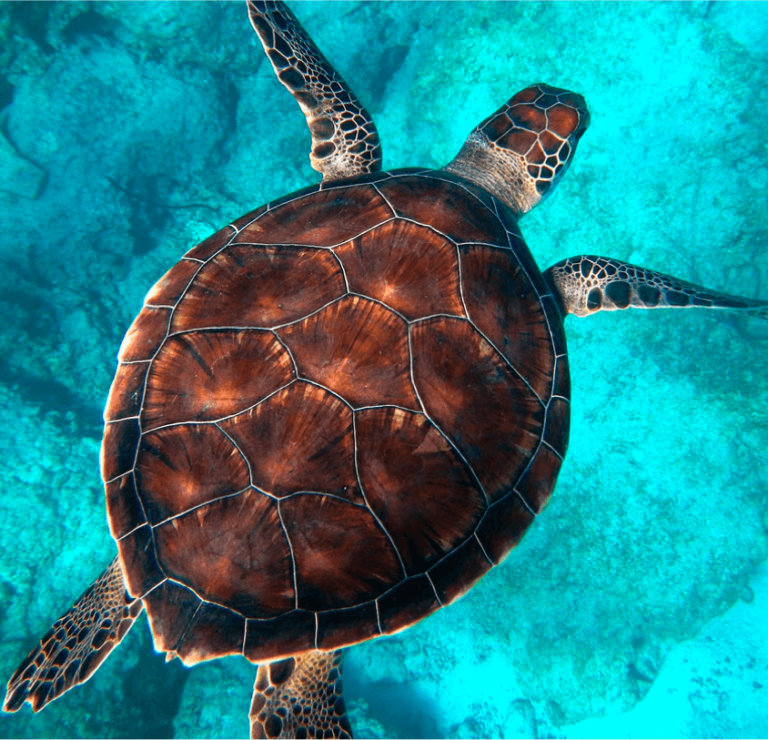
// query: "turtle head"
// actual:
[[520, 152]]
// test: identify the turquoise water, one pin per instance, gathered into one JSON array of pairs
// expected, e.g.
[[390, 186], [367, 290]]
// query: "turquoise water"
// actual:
[[636, 605]]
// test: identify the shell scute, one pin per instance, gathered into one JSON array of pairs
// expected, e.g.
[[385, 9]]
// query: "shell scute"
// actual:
[[304, 220], [242, 557], [459, 377], [208, 247], [450, 208], [126, 392], [170, 608], [535, 485], [344, 627], [118, 447], [181, 467], [145, 334], [342, 555], [217, 632], [206, 375], [503, 304], [326, 428], [125, 510], [459, 571], [411, 600], [400, 453], [168, 290], [259, 286], [356, 348], [299, 439], [503, 526], [281, 637], [386, 264], [140, 567]]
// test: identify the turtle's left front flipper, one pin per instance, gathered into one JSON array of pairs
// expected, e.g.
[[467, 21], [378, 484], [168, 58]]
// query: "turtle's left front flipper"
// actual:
[[77, 644], [345, 142], [585, 285]]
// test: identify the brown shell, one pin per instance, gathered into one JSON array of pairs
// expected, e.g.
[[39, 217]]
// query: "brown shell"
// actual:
[[332, 417]]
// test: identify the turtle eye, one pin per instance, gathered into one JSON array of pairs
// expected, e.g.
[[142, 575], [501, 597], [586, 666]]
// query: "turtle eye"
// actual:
[[542, 124]]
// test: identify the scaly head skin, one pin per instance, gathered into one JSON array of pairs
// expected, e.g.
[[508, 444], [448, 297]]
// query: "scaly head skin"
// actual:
[[520, 153]]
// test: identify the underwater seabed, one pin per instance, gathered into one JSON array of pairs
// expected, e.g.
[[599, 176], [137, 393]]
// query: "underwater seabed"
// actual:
[[637, 604]]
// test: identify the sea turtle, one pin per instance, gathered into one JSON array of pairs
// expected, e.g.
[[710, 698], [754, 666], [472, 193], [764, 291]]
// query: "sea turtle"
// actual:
[[335, 415]]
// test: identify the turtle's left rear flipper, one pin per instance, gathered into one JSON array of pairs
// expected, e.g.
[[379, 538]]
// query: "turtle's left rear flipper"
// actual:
[[77, 643], [585, 285]]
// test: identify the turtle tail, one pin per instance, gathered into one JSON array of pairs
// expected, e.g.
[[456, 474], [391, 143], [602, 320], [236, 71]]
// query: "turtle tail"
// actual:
[[77, 643], [585, 285]]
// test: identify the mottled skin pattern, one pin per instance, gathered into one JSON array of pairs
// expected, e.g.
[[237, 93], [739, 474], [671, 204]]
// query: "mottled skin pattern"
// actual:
[[334, 416], [77, 644], [308, 691], [589, 284], [345, 142], [523, 150]]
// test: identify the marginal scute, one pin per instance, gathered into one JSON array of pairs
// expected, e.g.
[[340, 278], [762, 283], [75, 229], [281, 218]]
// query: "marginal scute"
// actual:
[[346, 626], [342, 556], [145, 335], [213, 244], [562, 383], [206, 375], [299, 439], [232, 552], [558, 422], [118, 448], [458, 572], [290, 634], [168, 289], [503, 526], [537, 483], [259, 287], [406, 266], [124, 509], [213, 633], [170, 608], [356, 348], [405, 604], [140, 567], [126, 392]]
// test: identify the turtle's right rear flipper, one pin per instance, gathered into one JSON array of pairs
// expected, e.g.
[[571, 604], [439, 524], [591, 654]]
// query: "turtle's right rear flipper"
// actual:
[[300, 697], [77, 643]]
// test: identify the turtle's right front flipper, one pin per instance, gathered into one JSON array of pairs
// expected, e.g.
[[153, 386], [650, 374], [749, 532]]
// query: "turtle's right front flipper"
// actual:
[[77, 644], [585, 285], [345, 142]]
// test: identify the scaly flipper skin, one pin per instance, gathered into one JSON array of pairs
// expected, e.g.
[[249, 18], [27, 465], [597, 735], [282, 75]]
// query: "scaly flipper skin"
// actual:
[[77, 643], [300, 697], [585, 285], [345, 142]]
